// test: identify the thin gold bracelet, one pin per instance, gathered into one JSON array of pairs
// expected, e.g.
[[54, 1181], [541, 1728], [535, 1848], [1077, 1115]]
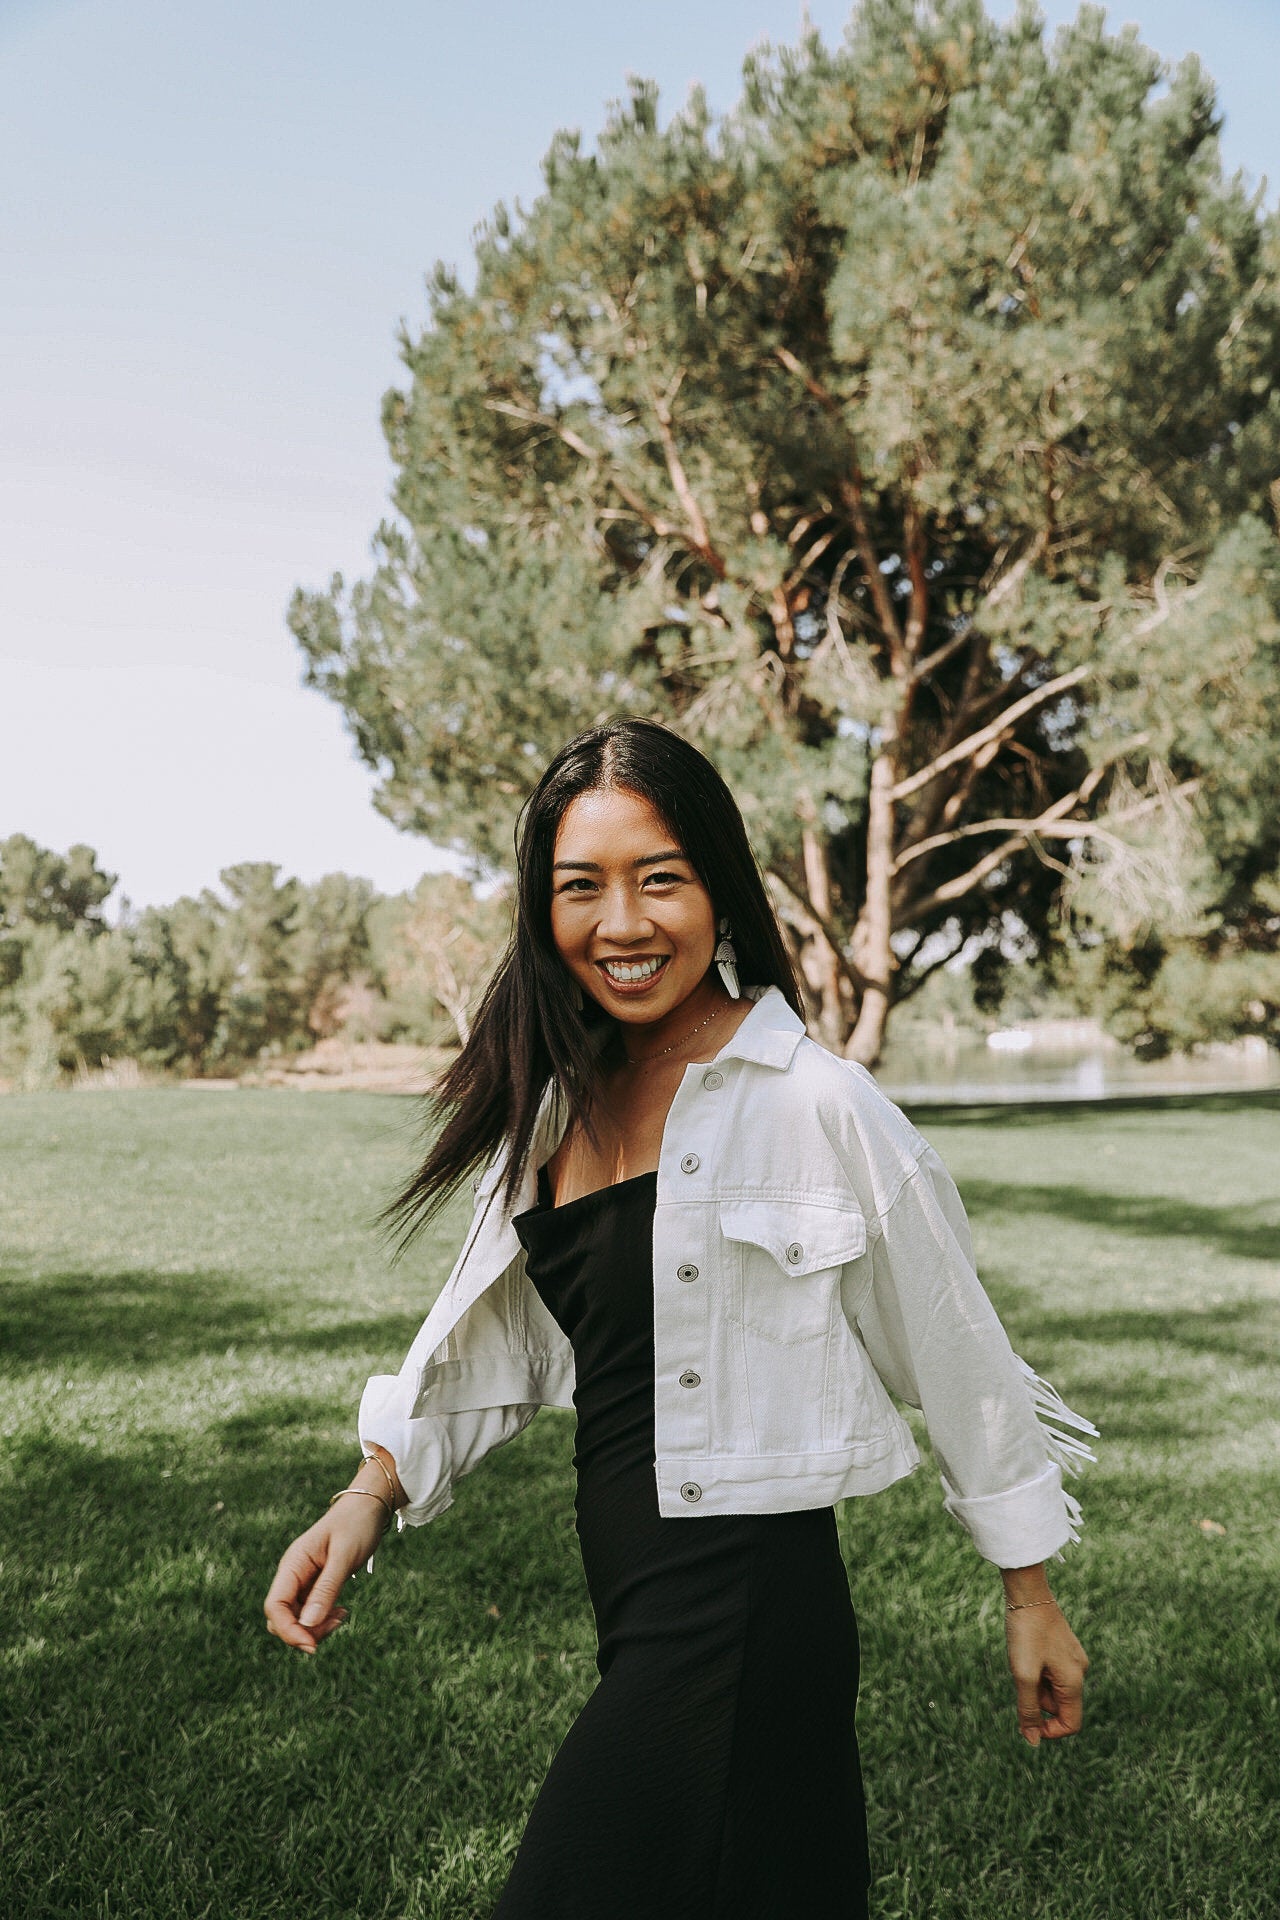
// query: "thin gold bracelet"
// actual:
[[1017, 1606], [391, 1485], [366, 1493]]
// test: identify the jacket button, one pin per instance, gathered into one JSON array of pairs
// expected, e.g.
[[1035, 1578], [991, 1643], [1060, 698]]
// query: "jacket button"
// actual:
[[795, 1253], [690, 1163], [713, 1081], [690, 1379], [689, 1272], [691, 1491]]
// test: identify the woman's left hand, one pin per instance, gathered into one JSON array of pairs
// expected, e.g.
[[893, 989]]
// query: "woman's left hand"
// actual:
[[1048, 1665]]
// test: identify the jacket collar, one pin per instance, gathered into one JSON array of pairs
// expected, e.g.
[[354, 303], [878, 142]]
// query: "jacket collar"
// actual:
[[769, 1035]]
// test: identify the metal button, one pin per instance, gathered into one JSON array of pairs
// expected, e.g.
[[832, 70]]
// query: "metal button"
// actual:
[[795, 1253], [690, 1163], [689, 1272], [691, 1491], [690, 1379], [712, 1081]]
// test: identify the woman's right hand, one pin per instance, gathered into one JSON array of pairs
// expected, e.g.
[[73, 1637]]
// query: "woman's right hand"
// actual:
[[302, 1603]]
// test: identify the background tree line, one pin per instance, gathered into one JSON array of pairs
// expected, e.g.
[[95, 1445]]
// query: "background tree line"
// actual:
[[218, 980], [909, 438], [266, 967]]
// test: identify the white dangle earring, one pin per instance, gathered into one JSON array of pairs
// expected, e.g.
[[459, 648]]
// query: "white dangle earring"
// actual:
[[727, 961]]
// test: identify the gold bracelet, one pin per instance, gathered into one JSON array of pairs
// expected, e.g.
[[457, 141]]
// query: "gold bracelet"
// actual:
[[367, 1493], [1017, 1606], [391, 1485]]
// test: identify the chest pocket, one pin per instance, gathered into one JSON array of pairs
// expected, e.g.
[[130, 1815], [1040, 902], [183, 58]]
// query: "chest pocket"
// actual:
[[789, 1259]]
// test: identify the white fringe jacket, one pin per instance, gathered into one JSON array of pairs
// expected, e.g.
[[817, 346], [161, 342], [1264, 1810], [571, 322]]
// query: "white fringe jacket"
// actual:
[[811, 1256]]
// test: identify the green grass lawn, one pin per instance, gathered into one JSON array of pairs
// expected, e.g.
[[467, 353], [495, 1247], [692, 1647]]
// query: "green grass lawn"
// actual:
[[191, 1296]]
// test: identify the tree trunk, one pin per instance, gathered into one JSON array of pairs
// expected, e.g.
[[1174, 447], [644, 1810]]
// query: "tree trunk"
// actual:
[[823, 971], [872, 953], [827, 995]]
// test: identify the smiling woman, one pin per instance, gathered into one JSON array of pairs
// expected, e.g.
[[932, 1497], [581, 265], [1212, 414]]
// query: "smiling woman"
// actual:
[[631, 850], [723, 1247], [622, 922], [637, 930]]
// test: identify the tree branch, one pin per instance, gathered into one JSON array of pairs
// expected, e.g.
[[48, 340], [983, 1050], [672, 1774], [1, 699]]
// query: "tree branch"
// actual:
[[1005, 587], [661, 529], [964, 748], [932, 661], [955, 889], [911, 980], [963, 883], [701, 537], [1041, 823], [852, 493], [918, 613], [801, 915]]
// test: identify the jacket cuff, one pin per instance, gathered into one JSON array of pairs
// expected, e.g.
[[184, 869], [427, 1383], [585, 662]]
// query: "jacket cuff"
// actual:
[[1020, 1527], [419, 1448]]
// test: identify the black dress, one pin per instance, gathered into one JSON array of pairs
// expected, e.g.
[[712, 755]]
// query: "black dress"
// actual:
[[713, 1774]]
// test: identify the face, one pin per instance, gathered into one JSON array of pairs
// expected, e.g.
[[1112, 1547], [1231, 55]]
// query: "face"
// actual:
[[630, 918]]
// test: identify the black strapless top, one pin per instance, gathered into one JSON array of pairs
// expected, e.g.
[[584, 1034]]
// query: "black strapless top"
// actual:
[[591, 1261]]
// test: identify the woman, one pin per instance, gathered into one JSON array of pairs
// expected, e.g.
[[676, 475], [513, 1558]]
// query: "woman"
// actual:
[[721, 1244]]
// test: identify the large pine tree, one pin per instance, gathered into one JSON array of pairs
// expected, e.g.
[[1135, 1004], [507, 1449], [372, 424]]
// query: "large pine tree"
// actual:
[[905, 439]]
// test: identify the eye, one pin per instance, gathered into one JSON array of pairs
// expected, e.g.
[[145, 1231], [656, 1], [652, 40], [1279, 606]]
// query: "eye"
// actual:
[[663, 879], [571, 886]]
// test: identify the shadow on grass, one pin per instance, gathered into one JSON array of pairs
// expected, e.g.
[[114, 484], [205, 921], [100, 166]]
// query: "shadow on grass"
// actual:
[[226, 1774], [139, 1680], [1015, 1113], [236, 1497], [139, 1318], [1243, 1330], [1182, 1636], [1247, 1331], [1229, 1229]]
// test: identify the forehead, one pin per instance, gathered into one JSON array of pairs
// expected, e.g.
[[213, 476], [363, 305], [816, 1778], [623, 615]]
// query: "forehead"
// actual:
[[612, 821]]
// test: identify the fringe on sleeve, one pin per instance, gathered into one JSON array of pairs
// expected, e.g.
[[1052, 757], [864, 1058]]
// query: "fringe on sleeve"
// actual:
[[1072, 1455]]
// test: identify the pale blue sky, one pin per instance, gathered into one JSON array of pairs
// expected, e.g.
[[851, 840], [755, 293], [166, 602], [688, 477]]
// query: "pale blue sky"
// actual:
[[215, 218]]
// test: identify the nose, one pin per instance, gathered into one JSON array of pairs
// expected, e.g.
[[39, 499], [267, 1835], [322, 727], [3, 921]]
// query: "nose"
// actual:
[[624, 918]]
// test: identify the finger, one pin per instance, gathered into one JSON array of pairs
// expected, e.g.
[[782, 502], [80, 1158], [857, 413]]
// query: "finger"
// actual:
[[297, 1569], [1064, 1704], [1028, 1698], [320, 1609], [287, 1629], [337, 1618]]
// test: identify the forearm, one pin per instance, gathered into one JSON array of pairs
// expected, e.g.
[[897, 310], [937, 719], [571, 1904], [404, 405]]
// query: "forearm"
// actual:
[[1023, 1586]]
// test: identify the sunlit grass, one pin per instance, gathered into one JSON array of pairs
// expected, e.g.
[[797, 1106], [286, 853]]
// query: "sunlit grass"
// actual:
[[190, 1299]]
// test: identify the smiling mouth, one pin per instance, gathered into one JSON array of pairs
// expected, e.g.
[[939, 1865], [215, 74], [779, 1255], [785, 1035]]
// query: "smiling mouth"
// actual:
[[630, 973]]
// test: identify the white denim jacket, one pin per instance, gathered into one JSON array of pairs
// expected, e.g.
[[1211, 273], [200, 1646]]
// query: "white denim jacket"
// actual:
[[811, 1256]]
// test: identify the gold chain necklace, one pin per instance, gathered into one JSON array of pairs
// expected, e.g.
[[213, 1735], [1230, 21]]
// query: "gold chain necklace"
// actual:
[[643, 1059]]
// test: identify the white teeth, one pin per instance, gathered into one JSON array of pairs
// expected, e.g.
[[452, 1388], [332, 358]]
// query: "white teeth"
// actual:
[[637, 970]]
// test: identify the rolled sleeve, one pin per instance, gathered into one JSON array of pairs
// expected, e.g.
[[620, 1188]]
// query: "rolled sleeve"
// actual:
[[937, 1342], [420, 1448], [432, 1451], [1019, 1527]]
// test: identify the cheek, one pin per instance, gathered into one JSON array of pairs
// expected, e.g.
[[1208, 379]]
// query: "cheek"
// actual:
[[698, 928], [562, 928]]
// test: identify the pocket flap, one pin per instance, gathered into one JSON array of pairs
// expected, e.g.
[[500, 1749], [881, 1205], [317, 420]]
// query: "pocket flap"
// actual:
[[803, 1236]]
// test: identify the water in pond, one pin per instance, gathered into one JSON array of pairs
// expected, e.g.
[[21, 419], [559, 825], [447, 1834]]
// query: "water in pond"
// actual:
[[1029, 1065]]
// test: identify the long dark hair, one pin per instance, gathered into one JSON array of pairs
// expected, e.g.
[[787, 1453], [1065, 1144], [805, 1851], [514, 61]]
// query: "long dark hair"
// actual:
[[529, 1031]]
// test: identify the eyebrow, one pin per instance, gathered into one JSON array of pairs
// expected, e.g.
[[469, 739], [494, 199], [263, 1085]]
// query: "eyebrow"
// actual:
[[646, 860]]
